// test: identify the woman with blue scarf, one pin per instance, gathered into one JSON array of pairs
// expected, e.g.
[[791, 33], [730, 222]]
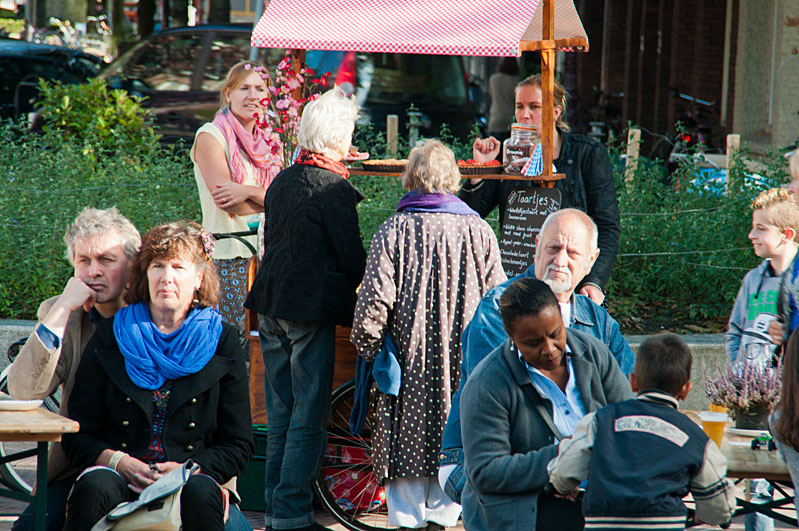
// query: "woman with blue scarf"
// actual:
[[429, 265], [162, 382]]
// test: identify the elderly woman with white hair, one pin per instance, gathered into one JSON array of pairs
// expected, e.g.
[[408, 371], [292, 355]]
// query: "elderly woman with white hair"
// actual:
[[429, 266], [313, 261]]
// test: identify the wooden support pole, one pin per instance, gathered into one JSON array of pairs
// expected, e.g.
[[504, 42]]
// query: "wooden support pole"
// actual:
[[298, 63], [392, 128], [633, 146], [733, 146], [547, 78]]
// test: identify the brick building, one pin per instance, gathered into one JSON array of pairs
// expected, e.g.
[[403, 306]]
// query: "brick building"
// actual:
[[736, 54]]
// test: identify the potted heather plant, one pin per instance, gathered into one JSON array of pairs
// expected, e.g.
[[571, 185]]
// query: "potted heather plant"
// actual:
[[748, 391]]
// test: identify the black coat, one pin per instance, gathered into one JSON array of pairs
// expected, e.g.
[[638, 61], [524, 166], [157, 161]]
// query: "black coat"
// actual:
[[208, 415], [313, 254], [589, 186]]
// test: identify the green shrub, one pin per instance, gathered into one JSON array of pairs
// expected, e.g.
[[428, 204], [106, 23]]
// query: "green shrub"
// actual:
[[102, 120], [684, 245], [48, 182], [683, 252]]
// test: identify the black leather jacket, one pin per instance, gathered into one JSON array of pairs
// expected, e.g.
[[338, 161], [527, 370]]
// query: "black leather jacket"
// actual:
[[589, 186]]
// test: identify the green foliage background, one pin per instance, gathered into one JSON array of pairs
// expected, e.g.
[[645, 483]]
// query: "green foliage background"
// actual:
[[683, 253], [684, 245]]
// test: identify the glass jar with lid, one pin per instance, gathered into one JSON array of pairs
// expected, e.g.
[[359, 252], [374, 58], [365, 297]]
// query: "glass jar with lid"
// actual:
[[518, 149]]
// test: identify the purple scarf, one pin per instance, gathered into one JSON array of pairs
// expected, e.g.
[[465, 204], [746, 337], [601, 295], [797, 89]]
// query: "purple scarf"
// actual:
[[442, 203]]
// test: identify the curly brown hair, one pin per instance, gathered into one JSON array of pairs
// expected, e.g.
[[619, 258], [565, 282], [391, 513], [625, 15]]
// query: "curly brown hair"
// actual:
[[170, 240]]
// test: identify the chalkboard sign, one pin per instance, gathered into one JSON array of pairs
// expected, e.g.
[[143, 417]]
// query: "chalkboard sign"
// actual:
[[527, 208]]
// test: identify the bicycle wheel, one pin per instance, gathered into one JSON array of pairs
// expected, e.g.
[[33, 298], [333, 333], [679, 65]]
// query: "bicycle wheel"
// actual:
[[21, 475], [347, 486]]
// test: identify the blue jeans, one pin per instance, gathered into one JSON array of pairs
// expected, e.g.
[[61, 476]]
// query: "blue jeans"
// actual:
[[789, 455], [298, 369], [236, 520], [57, 493], [760, 492]]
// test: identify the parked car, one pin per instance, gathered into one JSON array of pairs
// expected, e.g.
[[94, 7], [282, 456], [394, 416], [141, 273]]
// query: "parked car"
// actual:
[[181, 71], [23, 63]]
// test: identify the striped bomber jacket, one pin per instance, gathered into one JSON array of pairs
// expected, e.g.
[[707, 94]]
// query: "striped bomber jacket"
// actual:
[[641, 457]]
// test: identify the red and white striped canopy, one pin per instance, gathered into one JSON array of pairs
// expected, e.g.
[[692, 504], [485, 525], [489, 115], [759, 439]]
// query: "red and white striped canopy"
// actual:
[[441, 27]]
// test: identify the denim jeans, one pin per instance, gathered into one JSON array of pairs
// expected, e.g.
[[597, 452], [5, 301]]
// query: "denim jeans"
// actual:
[[298, 369], [789, 455], [760, 492], [236, 520]]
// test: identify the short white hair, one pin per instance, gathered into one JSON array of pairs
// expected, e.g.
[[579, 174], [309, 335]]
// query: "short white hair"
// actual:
[[328, 121], [577, 215]]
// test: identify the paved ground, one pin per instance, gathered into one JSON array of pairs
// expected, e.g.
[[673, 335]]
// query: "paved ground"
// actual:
[[256, 519]]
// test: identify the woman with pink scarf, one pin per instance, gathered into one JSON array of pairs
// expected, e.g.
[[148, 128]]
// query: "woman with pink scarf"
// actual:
[[233, 167]]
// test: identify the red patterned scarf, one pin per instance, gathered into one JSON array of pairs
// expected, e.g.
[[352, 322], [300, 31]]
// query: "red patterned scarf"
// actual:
[[311, 158]]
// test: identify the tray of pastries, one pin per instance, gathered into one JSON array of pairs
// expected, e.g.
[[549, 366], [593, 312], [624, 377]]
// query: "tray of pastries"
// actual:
[[385, 165], [473, 167]]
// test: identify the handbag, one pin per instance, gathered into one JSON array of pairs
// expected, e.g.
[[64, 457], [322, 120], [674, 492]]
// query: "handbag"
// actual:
[[157, 507]]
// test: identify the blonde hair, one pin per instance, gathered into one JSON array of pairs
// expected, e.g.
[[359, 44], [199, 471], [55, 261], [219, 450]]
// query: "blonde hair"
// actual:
[[236, 76], [432, 168], [780, 207], [559, 96]]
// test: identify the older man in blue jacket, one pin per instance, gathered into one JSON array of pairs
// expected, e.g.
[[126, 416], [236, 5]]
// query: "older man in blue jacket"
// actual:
[[566, 249]]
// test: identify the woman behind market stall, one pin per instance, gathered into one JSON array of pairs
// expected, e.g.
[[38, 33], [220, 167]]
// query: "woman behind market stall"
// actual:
[[313, 261], [589, 183], [233, 167], [428, 268], [162, 382]]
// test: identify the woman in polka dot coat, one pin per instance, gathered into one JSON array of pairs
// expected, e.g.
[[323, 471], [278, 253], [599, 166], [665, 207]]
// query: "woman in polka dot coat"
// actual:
[[429, 266]]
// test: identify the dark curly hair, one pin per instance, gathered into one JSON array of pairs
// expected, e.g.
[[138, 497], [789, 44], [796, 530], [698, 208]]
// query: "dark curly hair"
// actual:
[[170, 240]]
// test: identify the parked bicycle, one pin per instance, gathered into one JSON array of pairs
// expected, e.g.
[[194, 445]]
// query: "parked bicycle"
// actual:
[[95, 40], [601, 118], [692, 132]]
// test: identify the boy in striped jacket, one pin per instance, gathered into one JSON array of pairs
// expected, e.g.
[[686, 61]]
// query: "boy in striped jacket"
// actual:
[[642, 456]]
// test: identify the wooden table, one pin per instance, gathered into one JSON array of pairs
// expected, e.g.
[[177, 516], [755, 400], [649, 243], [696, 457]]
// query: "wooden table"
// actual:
[[541, 180], [745, 463], [39, 426]]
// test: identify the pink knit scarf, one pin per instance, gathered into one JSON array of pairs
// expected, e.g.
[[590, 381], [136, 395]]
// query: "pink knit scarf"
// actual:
[[254, 145]]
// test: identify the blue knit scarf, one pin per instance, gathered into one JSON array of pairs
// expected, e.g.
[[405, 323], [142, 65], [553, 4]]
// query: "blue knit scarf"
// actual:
[[152, 357]]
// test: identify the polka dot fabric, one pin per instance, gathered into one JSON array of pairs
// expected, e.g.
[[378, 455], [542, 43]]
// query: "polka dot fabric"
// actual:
[[425, 275], [443, 27]]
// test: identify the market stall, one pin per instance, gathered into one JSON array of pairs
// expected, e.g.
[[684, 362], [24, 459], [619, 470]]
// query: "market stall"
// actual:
[[439, 27]]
